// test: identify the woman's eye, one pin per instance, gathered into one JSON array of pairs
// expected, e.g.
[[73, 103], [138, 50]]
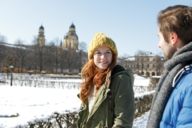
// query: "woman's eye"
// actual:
[[108, 52], [98, 53], [105, 53]]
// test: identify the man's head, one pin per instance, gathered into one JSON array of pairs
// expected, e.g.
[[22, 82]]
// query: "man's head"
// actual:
[[174, 28]]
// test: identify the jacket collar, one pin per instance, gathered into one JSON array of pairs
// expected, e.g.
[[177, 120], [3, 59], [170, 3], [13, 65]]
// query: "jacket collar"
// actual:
[[180, 73], [101, 95]]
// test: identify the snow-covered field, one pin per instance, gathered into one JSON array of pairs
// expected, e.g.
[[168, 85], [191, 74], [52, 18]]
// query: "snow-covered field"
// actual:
[[33, 103], [21, 104]]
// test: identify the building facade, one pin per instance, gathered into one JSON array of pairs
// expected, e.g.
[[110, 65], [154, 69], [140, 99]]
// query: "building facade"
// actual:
[[145, 65], [71, 41]]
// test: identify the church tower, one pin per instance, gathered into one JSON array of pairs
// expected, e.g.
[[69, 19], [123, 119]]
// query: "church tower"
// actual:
[[41, 37], [71, 39]]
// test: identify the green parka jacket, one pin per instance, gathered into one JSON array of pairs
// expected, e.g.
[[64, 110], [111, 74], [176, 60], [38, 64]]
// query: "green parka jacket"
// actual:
[[114, 103]]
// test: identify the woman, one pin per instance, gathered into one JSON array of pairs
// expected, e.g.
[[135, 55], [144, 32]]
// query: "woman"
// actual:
[[107, 90]]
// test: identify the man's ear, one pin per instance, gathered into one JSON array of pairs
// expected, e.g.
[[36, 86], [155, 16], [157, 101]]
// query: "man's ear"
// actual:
[[173, 38]]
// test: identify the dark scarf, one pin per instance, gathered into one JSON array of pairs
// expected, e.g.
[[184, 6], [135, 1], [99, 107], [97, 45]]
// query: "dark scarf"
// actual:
[[164, 88]]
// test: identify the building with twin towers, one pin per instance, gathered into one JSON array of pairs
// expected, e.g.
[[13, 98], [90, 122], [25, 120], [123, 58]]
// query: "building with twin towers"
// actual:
[[70, 40]]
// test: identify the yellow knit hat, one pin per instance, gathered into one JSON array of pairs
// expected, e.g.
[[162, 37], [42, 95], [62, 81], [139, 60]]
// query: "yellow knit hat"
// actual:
[[98, 40]]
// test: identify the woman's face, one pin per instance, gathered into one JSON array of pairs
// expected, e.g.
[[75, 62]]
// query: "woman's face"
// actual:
[[102, 57]]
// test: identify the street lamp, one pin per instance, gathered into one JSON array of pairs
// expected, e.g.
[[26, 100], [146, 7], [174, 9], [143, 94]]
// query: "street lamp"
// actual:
[[11, 69]]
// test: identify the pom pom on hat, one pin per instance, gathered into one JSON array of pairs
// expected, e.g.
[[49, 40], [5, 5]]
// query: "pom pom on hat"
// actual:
[[98, 40]]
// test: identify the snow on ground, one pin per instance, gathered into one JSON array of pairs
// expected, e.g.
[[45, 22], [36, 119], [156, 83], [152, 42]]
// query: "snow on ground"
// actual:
[[33, 103], [141, 81], [28, 103], [36, 103], [141, 122]]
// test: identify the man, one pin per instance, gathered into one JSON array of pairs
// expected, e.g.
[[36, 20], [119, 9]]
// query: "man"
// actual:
[[172, 103]]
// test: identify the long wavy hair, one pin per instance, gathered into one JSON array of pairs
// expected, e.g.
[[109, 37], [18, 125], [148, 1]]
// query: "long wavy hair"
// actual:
[[92, 76]]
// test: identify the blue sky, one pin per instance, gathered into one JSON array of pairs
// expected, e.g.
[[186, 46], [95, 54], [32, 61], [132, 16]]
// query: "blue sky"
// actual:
[[130, 23]]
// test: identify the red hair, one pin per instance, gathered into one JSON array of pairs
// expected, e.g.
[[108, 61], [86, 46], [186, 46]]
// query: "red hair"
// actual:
[[92, 76]]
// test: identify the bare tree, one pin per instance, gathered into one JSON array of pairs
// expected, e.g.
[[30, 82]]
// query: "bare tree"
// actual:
[[3, 50], [83, 46], [20, 55], [49, 57], [3, 38], [142, 53]]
